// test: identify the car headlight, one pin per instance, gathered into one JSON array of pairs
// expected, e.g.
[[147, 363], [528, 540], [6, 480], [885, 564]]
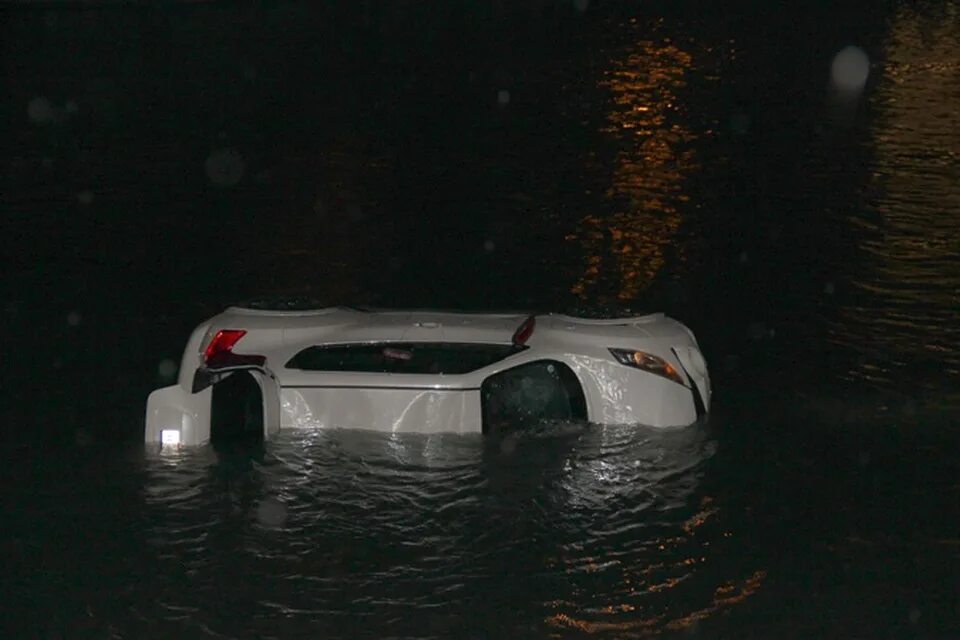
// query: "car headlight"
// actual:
[[648, 362]]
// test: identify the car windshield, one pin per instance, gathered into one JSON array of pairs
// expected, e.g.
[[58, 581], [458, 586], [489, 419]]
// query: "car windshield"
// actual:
[[401, 357]]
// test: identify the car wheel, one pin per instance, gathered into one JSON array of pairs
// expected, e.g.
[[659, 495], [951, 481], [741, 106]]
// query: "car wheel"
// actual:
[[236, 411]]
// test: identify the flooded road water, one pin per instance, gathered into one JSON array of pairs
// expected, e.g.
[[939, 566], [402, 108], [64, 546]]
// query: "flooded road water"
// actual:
[[794, 201]]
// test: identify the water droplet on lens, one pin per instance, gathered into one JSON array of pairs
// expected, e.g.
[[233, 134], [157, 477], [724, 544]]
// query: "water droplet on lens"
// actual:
[[271, 512], [850, 69], [740, 123], [83, 438], [167, 368], [40, 110], [757, 330], [225, 167]]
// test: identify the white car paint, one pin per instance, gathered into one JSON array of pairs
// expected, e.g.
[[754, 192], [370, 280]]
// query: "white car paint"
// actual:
[[396, 402]]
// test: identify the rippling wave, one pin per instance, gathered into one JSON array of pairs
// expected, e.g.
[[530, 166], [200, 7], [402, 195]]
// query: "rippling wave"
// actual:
[[904, 316], [598, 529]]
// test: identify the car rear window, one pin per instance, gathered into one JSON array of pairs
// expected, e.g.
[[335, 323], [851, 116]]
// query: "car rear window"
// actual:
[[401, 357]]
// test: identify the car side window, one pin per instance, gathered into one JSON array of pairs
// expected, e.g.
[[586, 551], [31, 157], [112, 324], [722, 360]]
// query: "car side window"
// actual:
[[531, 393], [401, 357]]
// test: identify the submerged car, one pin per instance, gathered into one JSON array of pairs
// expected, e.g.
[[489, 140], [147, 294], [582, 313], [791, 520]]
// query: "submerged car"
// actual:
[[259, 368]]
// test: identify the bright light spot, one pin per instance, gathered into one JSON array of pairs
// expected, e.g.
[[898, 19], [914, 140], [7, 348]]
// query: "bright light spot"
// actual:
[[489, 246], [74, 318], [503, 97], [850, 69], [581, 5], [41, 111], [85, 196], [271, 512], [170, 436], [225, 167], [167, 368]]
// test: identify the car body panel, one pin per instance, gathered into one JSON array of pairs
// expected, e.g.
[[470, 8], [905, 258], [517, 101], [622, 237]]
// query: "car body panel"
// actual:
[[613, 392], [381, 409]]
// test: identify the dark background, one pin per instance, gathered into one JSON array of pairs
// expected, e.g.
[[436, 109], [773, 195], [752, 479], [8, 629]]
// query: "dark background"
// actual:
[[162, 160]]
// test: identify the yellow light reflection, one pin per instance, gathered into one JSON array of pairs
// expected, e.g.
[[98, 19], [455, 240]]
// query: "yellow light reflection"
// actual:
[[909, 288], [626, 249], [725, 596]]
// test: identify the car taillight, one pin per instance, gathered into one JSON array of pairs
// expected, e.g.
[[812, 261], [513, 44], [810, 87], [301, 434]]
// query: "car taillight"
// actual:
[[524, 331], [222, 342]]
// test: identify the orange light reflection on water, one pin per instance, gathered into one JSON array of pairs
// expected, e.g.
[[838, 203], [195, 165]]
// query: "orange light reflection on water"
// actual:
[[908, 290], [626, 249], [629, 614]]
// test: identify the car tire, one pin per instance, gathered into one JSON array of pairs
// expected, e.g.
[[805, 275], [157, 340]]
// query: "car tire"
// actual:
[[236, 411]]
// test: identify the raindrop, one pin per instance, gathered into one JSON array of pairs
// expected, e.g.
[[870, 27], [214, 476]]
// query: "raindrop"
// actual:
[[167, 368], [503, 97], [40, 111], [757, 331], [731, 362], [225, 167], [271, 512], [489, 245], [74, 318], [355, 213], [85, 196], [82, 437], [740, 123], [850, 69]]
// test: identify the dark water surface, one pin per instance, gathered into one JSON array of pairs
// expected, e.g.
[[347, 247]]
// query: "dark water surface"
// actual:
[[163, 160]]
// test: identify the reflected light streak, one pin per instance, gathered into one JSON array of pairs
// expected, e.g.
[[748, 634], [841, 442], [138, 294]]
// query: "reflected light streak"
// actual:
[[909, 239], [725, 596], [655, 563], [626, 249]]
